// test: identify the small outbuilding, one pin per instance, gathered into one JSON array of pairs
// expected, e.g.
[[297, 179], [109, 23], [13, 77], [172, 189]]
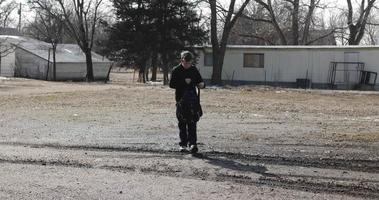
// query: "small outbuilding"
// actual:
[[32, 58], [341, 67]]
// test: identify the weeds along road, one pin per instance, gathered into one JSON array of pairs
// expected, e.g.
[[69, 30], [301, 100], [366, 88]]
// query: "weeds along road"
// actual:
[[118, 141]]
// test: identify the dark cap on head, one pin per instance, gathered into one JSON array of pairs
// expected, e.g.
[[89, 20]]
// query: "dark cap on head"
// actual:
[[186, 55]]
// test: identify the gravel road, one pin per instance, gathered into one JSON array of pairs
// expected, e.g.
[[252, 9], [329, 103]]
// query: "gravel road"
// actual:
[[69, 140]]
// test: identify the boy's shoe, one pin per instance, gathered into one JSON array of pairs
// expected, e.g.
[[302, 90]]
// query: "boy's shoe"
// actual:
[[193, 148], [182, 148]]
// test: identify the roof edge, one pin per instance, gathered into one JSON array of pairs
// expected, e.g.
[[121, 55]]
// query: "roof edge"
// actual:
[[294, 47]]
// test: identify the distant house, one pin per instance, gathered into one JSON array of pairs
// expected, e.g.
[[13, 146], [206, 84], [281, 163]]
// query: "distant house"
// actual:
[[32, 58]]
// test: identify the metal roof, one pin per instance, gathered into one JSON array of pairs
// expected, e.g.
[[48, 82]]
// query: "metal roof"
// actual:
[[65, 53], [295, 47]]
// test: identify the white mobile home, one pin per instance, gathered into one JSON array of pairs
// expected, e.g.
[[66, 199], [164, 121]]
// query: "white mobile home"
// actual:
[[34, 59], [320, 66]]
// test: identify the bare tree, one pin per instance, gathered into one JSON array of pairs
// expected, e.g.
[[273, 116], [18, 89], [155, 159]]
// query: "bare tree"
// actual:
[[219, 45], [338, 23], [80, 18], [301, 24], [49, 28], [252, 28], [272, 19], [6, 8], [308, 20], [371, 33], [357, 23]]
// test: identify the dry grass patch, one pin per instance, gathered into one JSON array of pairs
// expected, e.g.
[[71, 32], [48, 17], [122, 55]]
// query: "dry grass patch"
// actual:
[[248, 136], [357, 137]]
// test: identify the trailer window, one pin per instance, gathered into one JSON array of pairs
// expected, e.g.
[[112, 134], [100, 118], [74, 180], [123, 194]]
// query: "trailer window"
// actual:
[[255, 60]]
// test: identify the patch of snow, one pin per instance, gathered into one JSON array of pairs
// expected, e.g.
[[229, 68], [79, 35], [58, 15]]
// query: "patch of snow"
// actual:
[[154, 82]]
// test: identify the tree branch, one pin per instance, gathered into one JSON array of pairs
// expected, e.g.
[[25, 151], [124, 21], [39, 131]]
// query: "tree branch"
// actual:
[[258, 37], [321, 37]]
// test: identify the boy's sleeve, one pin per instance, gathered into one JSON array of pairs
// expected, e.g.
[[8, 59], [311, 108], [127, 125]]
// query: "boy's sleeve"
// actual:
[[173, 80], [199, 79]]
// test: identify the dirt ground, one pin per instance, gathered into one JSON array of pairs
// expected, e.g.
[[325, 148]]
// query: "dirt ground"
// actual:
[[72, 140]]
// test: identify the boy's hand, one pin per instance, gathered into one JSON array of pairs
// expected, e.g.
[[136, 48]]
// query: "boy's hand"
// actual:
[[201, 85]]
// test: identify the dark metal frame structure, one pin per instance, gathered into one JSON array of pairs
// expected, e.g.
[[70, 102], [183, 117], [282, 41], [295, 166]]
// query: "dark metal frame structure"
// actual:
[[367, 76], [335, 68]]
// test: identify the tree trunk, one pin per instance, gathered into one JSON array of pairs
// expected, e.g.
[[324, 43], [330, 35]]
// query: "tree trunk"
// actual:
[[165, 69], [217, 68], [220, 47], [352, 34], [357, 30], [155, 67], [274, 22], [54, 63], [0, 63], [218, 56], [147, 73], [165, 75], [141, 74], [89, 76], [308, 21], [218, 59], [141, 64], [295, 23], [48, 65]]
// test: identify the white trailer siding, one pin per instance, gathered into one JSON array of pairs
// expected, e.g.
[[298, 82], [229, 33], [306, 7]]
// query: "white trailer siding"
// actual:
[[100, 70], [71, 71], [78, 71], [371, 60], [30, 65], [287, 63], [7, 65]]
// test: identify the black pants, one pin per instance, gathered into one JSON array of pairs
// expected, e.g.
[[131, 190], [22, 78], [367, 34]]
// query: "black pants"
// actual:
[[187, 133]]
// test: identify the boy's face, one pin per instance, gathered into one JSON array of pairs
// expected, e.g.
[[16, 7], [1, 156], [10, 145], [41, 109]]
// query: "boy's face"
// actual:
[[186, 63]]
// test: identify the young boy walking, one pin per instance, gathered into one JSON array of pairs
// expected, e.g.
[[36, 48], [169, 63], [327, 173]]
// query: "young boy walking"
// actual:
[[185, 78]]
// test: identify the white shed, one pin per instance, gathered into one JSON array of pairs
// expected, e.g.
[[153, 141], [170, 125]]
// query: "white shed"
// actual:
[[34, 59], [287, 65]]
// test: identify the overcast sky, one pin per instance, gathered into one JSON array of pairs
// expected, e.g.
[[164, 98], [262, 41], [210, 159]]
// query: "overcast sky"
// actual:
[[27, 14]]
